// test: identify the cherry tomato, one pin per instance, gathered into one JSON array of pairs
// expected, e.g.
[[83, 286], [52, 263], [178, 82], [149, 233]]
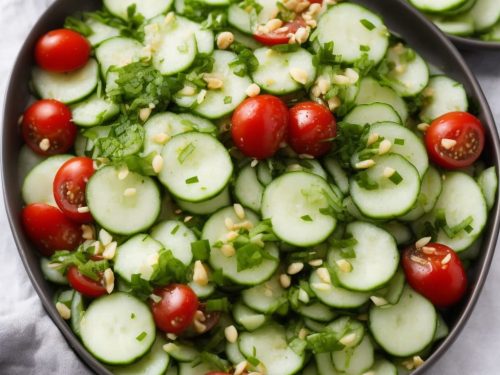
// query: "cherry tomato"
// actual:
[[259, 125], [436, 272], [210, 320], [49, 229], [69, 188], [455, 140], [85, 285], [62, 51], [47, 127], [311, 125], [281, 35], [176, 310]]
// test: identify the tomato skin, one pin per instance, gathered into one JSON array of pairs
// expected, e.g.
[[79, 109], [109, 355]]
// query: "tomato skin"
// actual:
[[86, 286], [274, 38], [311, 124], [462, 127], [176, 310], [259, 125], [49, 229], [69, 187], [442, 284], [62, 51], [51, 120]]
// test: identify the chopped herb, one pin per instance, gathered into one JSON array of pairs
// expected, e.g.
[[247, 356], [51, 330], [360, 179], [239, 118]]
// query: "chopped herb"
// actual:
[[78, 25], [324, 342], [286, 48], [176, 228], [298, 346], [215, 361], [219, 304], [468, 229], [192, 180], [132, 316], [399, 141], [200, 249], [218, 244], [364, 181], [326, 56], [228, 99], [396, 178], [141, 336], [306, 218], [253, 360], [367, 24], [185, 152], [251, 255], [285, 14], [250, 5], [245, 63], [364, 48]]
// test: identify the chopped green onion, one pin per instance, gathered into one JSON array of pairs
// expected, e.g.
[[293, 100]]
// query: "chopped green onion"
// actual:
[[367, 24], [192, 180], [176, 228], [396, 178], [364, 48], [141, 336], [200, 249], [306, 218], [399, 141], [228, 99], [185, 152]]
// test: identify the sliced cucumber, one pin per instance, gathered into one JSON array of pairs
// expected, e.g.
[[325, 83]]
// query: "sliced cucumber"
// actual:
[[51, 274], [293, 202], [269, 345], [383, 367], [488, 181], [248, 318], [338, 174], [390, 199], [324, 364], [460, 25], [176, 237], [100, 32], [160, 128], [77, 312], [350, 27], [196, 368], [233, 353], [357, 360], [317, 311], [394, 289], [182, 352], [196, 166], [401, 233], [442, 329], [209, 206], [146, 8], [493, 35], [198, 123], [204, 36], [118, 329], [443, 95], [248, 190], [372, 113], [437, 6], [27, 160], [67, 87], [283, 72], [125, 206], [266, 297], [485, 14], [118, 52], [370, 91], [93, 111], [37, 186], [154, 363], [405, 328], [202, 291], [244, 19]]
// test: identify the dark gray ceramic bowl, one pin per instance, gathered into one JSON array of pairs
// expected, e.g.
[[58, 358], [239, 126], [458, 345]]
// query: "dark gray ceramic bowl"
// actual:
[[474, 44], [400, 17]]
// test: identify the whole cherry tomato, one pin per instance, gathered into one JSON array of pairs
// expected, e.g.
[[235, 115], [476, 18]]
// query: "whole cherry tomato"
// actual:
[[62, 51], [259, 125], [85, 285], [455, 140]]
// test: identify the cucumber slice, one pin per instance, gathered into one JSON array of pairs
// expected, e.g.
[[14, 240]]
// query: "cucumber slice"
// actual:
[[372, 113], [176, 237], [460, 25], [485, 14], [182, 352], [146, 8], [26, 161], [350, 27], [409, 75], [383, 367], [209, 206], [248, 318], [118, 52], [309, 165], [198, 123], [493, 35], [357, 360], [443, 95], [376, 259], [93, 111], [118, 329], [336, 296], [266, 297], [50, 274], [269, 345], [276, 71], [37, 186], [389, 199], [405, 328], [394, 289], [100, 32], [202, 291], [248, 190], [293, 202], [196, 368], [196, 166], [437, 6], [66, 87], [401, 233], [233, 353], [244, 19], [162, 125], [488, 181], [77, 312], [264, 173], [405, 143], [338, 174], [324, 364], [154, 363], [442, 329], [135, 257], [204, 37], [116, 212], [317, 311], [370, 91]]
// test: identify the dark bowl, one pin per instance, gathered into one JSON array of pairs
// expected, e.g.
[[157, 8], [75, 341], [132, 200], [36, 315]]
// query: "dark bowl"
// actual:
[[399, 16], [472, 44]]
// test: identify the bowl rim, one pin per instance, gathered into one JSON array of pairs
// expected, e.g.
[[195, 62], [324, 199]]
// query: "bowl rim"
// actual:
[[490, 238], [473, 43]]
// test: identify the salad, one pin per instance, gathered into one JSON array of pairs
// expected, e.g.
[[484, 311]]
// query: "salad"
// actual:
[[478, 19], [252, 187]]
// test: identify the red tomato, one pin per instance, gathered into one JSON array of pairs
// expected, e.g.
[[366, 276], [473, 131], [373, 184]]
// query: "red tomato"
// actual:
[[62, 51], [280, 37], [47, 127], [436, 272], [311, 124], [49, 229], [175, 312], [85, 285], [69, 188], [259, 125], [455, 140]]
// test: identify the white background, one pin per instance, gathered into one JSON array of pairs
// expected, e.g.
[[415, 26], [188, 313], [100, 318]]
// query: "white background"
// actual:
[[31, 344]]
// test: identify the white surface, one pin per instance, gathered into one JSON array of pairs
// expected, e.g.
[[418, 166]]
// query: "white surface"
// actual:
[[31, 344]]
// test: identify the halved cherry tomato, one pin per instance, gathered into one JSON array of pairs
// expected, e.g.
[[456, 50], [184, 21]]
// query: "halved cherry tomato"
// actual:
[[47, 127], [62, 51], [176, 310], [436, 272], [281, 35], [259, 125], [311, 125], [210, 320], [85, 285], [49, 229], [455, 140], [69, 188]]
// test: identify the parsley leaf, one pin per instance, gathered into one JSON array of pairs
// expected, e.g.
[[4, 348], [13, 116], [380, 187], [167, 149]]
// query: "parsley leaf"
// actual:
[[250, 256]]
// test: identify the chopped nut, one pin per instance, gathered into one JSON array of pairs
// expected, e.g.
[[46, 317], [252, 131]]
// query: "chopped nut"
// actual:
[[157, 163], [161, 138], [379, 301], [88, 232], [225, 39], [44, 144], [231, 236], [273, 24], [199, 327], [171, 336], [321, 286], [98, 248], [83, 210], [295, 268], [372, 138], [303, 5], [130, 192], [252, 90], [344, 265], [301, 35], [299, 75], [199, 316], [110, 250], [187, 91], [428, 250], [334, 103], [352, 75], [239, 211], [63, 310], [144, 114], [315, 262], [228, 250], [348, 339], [340, 79], [418, 361], [285, 280], [243, 225], [105, 237], [155, 298], [323, 85], [20, 120], [201, 96], [422, 242], [188, 219], [324, 275], [254, 163], [240, 368], [200, 275], [169, 18], [448, 143], [365, 164], [423, 127], [123, 173], [109, 280], [213, 83], [389, 172], [291, 4], [446, 259], [384, 147], [228, 222], [231, 334]]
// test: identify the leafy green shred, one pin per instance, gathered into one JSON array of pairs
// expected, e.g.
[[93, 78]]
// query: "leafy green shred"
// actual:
[[78, 25], [81, 258], [200, 250], [367, 24], [325, 55], [218, 304], [396, 178], [364, 181], [130, 28], [192, 180], [251, 255], [350, 140], [246, 62], [141, 336], [214, 360], [250, 6]]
